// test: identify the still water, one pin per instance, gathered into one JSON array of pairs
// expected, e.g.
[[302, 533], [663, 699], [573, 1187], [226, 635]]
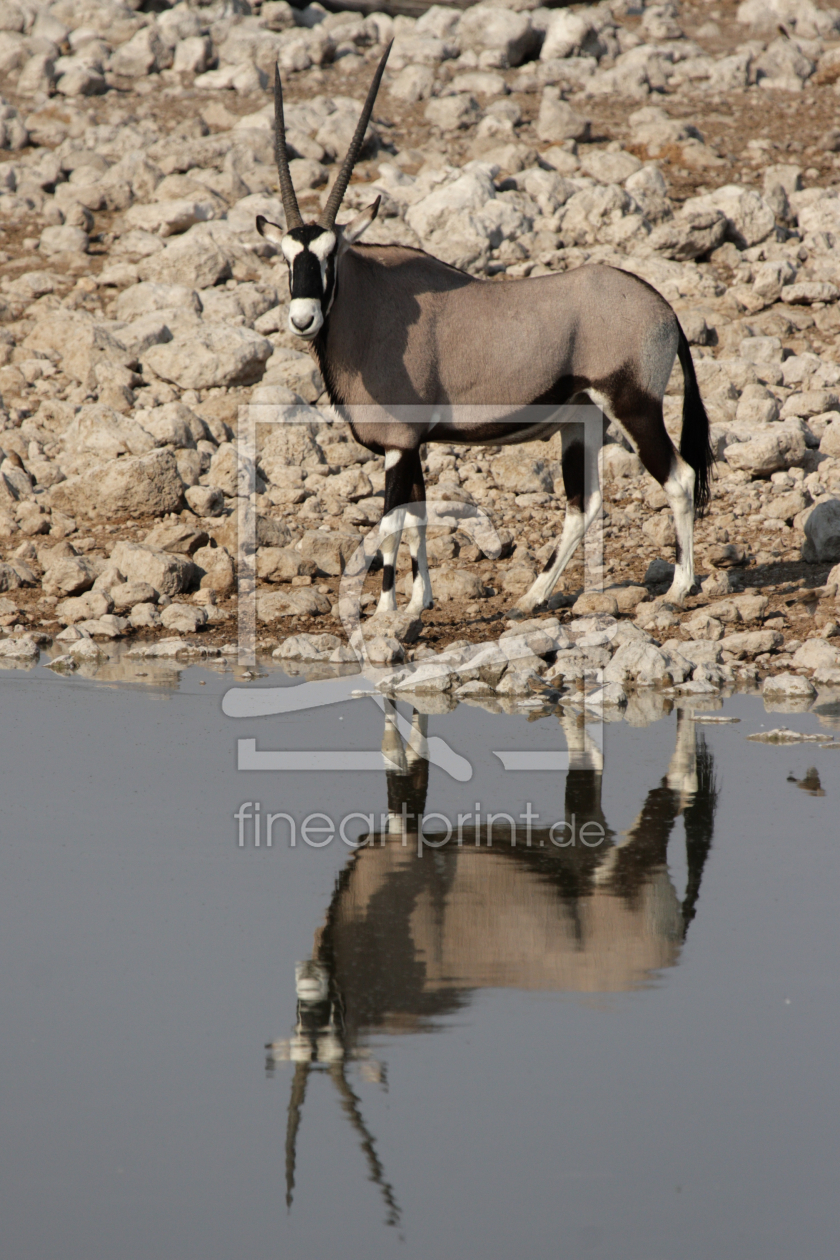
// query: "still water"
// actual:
[[611, 1032]]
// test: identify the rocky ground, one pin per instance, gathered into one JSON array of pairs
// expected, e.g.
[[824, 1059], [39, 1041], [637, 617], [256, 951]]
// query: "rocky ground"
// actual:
[[143, 320]]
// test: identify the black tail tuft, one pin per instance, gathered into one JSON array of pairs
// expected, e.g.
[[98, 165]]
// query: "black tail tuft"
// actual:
[[695, 447]]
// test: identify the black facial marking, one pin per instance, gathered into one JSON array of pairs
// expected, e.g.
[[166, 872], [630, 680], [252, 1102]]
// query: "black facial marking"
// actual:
[[305, 276], [305, 269]]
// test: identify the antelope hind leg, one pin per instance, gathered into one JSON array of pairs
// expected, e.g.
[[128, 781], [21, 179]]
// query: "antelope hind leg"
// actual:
[[581, 511]]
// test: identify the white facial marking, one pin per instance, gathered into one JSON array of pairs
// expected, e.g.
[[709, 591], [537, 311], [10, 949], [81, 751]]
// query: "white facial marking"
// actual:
[[305, 317], [290, 248], [392, 458], [323, 246]]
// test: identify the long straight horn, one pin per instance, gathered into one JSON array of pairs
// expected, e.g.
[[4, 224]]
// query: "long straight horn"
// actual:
[[281, 157], [339, 188]]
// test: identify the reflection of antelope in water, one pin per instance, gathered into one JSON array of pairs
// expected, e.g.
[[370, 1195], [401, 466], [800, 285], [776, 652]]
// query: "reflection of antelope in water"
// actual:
[[408, 938]]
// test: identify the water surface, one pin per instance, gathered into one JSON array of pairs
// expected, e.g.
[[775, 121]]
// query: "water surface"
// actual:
[[619, 1049]]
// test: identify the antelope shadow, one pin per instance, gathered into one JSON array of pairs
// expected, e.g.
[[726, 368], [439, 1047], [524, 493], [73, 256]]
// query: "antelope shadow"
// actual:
[[413, 929]]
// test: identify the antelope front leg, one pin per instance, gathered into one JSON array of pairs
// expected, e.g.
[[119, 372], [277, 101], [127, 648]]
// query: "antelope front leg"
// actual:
[[405, 508], [390, 532], [415, 532]]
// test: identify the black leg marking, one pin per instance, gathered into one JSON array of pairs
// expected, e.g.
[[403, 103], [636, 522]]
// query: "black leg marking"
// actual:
[[640, 414], [404, 482], [388, 577], [573, 474], [551, 561]]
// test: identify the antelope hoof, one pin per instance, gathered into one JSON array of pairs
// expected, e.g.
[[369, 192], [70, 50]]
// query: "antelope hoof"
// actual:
[[676, 596]]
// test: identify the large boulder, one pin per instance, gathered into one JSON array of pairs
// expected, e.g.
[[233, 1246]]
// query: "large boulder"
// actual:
[[641, 664], [469, 192], [557, 121], [70, 575], [508, 34], [107, 433], [302, 601], [691, 234], [169, 218], [281, 564], [328, 550], [145, 53], [177, 536], [144, 298], [767, 453], [569, 35], [145, 485], [822, 533], [750, 219], [816, 654], [167, 572], [751, 642], [454, 584], [79, 343], [88, 607], [214, 355], [191, 260]]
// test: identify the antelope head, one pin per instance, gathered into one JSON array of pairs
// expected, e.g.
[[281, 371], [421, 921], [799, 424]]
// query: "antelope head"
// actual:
[[311, 250]]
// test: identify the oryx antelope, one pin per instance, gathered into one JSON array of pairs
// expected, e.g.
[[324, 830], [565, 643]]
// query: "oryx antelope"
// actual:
[[393, 328], [408, 939]]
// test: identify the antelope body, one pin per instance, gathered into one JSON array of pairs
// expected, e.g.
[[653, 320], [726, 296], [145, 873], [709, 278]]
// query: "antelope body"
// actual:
[[412, 351]]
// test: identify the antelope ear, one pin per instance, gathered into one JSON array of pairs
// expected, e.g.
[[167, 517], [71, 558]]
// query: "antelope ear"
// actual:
[[358, 226], [271, 231]]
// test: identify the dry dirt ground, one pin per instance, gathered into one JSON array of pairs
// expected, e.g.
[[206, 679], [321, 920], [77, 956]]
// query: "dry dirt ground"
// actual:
[[745, 130]]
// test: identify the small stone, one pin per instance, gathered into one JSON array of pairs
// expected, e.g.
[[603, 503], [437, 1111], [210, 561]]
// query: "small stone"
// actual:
[[612, 695], [645, 665], [659, 571], [205, 500], [128, 594], [144, 616], [383, 649], [70, 576], [397, 625], [301, 602], [788, 685], [806, 292], [183, 618], [307, 647], [88, 607], [282, 564], [22, 648], [816, 654], [557, 120], [457, 584], [822, 533], [164, 571], [519, 682], [746, 643], [180, 538]]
